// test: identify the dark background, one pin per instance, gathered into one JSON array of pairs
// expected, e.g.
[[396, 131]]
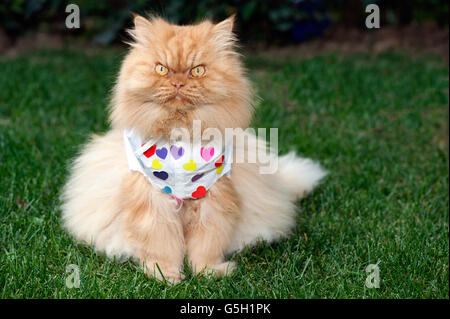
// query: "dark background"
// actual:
[[260, 23]]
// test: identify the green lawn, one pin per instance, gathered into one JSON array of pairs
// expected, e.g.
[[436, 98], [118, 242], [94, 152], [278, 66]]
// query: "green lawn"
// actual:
[[378, 124]]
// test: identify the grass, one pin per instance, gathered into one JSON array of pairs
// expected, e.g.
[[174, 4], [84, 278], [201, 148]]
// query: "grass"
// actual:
[[378, 124]]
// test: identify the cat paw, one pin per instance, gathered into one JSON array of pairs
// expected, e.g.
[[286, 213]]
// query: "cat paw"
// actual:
[[173, 280], [223, 269], [170, 276], [226, 268]]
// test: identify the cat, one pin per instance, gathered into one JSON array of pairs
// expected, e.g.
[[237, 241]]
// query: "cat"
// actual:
[[171, 76]]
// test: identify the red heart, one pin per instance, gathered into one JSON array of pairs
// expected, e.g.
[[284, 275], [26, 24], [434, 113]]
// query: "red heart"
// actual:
[[219, 162], [148, 153], [200, 192]]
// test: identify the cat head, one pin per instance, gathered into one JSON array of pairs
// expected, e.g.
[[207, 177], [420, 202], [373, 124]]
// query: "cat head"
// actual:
[[175, 74]]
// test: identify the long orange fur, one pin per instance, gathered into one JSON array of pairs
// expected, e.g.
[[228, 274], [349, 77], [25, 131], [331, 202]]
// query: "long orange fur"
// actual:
[[120, 213]]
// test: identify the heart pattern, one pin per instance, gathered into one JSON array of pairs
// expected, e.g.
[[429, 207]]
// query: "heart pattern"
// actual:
[[149, 153], [163, 167], [207, 153], [161, 175], [162, 152], [190, 166], [219, 162], [199, 192], [156, 164], [167, 190], [176, 152], [197, 177]]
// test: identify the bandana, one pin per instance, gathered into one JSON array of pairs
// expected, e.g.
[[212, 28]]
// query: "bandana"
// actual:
[[183, 170]]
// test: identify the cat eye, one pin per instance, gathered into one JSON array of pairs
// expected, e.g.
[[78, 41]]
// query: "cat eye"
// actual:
[[161, 69], [197, 71]]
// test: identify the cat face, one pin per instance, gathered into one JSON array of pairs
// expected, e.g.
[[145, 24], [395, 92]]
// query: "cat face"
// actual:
[[176, 74]]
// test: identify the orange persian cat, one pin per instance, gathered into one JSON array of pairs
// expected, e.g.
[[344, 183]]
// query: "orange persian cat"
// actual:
[[172, 76]]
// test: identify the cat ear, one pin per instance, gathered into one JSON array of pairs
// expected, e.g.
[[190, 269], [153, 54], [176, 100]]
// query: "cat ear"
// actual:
[[142, 28], [223, 32], [226, 26]]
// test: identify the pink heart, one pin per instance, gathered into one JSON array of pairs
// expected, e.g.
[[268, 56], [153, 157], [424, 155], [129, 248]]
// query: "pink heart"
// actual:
[[207, 153]]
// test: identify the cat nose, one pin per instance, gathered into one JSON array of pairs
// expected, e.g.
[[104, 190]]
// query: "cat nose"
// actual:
[[178, 85]]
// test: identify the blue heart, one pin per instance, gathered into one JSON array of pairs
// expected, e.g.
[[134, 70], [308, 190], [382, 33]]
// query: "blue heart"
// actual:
[[167, 190], [162, 152], [161, 175]]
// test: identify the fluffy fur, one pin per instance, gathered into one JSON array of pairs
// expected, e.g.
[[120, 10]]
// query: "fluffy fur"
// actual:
[[120, 213]]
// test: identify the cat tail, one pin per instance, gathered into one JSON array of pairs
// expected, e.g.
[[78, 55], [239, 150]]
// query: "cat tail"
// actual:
[[299, 175]]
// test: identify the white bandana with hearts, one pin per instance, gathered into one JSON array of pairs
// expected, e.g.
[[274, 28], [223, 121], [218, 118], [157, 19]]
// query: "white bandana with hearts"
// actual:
[[182, 170]]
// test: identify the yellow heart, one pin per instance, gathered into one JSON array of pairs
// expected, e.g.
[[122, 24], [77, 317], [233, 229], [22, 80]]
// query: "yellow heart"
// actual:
[[219, 169], [156, 164], [190, 166]]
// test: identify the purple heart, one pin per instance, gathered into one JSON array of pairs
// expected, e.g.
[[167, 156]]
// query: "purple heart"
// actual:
[[161, 152], [197, 177], [176, 152], [161, 175]]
